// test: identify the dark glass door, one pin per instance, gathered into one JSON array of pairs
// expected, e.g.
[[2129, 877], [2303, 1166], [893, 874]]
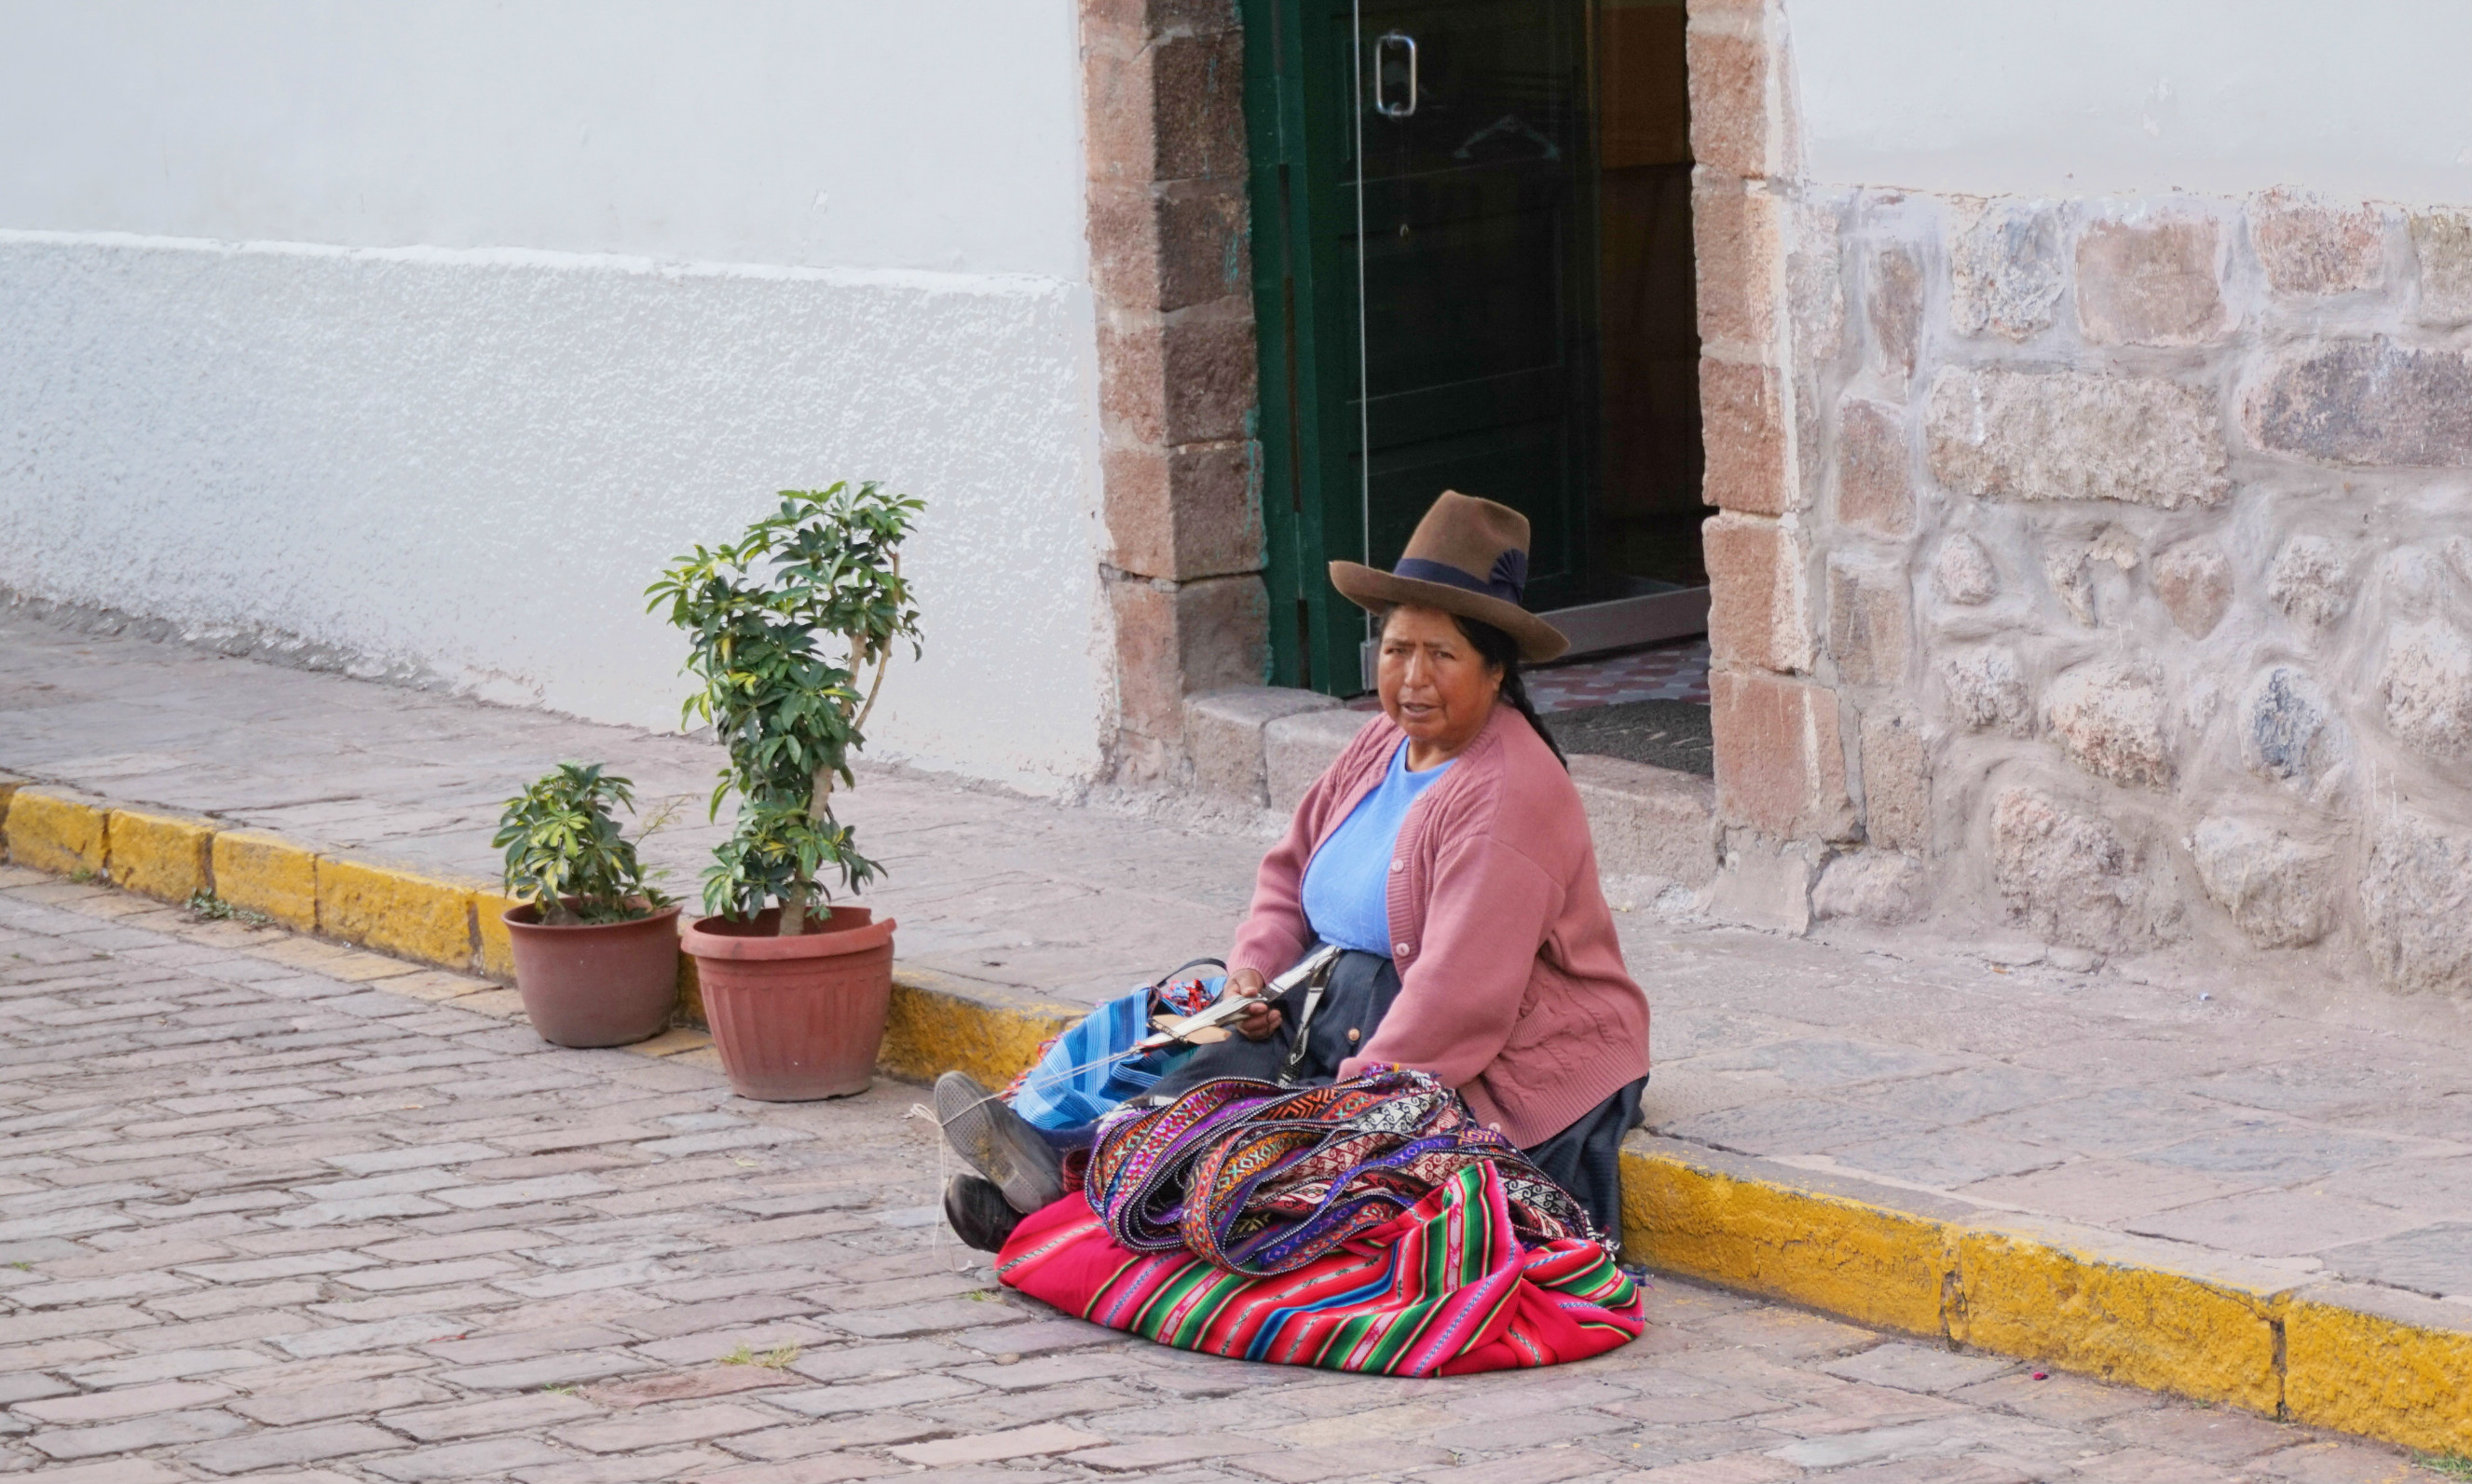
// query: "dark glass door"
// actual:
[[1472, 237], [1472, 272]]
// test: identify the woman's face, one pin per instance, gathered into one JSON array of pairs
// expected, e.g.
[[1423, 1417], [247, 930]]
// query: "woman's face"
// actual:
[[1433, 683]]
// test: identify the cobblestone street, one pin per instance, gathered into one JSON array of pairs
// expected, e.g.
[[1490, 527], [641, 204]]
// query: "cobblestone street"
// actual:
[[269, 1209]]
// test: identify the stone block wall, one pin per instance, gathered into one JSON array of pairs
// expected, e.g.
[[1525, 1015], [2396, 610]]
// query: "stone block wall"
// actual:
[[2097, 567], [2137, 542], [1181, 549]]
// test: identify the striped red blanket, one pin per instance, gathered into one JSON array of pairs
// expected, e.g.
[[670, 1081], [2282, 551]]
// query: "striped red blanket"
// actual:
[[1443, 1289]]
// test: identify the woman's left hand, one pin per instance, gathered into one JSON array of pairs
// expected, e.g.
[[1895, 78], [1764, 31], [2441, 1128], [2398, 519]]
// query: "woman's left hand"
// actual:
[[1261, 1018]]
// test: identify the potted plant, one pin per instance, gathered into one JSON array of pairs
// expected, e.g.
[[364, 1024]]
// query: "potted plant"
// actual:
[[596, 946], [783, 627]]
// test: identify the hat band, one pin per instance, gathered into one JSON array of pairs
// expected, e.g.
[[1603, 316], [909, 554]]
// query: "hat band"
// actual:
[[1506, 575]]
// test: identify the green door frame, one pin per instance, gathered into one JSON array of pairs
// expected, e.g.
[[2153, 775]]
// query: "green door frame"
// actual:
[[1314, 634]]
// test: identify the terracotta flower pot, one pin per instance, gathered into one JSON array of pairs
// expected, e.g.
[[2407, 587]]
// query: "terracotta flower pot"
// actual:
[[596, 984], [794, 1018]]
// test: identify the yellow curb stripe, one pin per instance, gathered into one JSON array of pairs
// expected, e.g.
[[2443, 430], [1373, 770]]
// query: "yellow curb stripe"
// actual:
[[2123, 1316], [50, 830], [268, 873], [161, 855], [1877, 1265], [2382, 1364], [937, 1025], [489, 929], [396, 911]]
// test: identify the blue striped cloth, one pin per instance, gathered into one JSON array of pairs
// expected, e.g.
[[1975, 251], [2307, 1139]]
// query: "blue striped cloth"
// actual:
[[1065, 1091]]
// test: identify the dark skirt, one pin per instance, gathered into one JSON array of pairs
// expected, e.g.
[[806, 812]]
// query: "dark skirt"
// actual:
[[1584, 1159]]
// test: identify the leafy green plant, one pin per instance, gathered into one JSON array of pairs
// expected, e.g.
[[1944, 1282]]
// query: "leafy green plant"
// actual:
[[2449, 1466], [782, 625], [207, 908], [563, 842]]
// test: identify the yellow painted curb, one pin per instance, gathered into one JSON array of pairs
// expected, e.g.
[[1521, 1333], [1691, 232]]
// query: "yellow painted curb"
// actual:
[[937, 1025], [2122, 1308], [2381, 1363], [1683, 1212], [269, 874], [690, 1008], [396, 912], [497, 944], [53, 831], [160, 855]]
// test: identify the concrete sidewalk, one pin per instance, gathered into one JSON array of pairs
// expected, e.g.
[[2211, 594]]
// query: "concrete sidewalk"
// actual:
[[2273, 1142]]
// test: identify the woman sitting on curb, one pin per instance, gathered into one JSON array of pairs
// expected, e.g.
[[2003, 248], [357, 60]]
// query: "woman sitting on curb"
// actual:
[[1446, 855]]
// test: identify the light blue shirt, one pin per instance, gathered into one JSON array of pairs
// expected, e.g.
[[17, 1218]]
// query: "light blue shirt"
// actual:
[[1348, 884]]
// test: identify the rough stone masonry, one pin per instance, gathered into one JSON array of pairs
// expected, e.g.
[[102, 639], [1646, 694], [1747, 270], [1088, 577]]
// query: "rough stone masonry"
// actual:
[[2111, 574]]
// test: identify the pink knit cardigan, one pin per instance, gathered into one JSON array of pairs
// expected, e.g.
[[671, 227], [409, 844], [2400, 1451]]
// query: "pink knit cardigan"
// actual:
[[1511, 984]]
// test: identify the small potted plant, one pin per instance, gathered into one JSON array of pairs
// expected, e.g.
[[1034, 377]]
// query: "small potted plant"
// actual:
[[596, 946], [783, 627]]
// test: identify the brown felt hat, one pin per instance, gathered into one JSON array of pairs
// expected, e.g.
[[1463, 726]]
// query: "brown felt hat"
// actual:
[[1469, 557]]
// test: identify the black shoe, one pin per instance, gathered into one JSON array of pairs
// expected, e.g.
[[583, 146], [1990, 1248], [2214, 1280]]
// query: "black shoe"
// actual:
[[998, 1143], [978, 1213]]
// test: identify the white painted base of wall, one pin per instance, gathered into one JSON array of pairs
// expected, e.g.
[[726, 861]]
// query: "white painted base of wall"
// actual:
[[464, 466]]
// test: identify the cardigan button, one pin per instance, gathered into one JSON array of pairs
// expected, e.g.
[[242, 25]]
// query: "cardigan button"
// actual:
[[1397, 866], [1398, 949]]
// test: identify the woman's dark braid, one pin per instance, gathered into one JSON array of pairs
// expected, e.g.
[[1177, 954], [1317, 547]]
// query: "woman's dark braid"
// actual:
[[1499, 648], [1514, 690]]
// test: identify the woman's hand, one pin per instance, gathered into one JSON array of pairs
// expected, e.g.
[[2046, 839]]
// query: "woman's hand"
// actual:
[[1260, 1018]]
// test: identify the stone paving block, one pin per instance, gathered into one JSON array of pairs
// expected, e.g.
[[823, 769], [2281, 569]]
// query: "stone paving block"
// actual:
[[164, 1365], [1548, 1467], [1344, 1461], [2336, 1462], [996, 1446], [1152, 1454], [661, 1430], [872, 1429], [839, 1466], [1918, 1368], [117, 1471], [476, 1419], [858, 1362], [869, 1395], [136, 1435], [281, 1447], [1729, 1469], [101, 1407], [711, 1381], [547, 1370], [458, 1461], [713, 1344], [1038, 1336], [685, 1463], [340, 1398], [925, 1319]]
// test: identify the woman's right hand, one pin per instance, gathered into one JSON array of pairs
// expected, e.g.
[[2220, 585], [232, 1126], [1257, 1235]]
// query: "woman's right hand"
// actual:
[[1261, 1018]]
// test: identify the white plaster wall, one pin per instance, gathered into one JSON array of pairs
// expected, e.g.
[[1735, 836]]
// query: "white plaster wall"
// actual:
[[922, 133], [2117, 97], [421, 336]]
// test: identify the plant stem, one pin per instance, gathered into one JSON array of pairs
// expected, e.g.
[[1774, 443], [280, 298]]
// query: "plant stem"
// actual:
[[794, 907]]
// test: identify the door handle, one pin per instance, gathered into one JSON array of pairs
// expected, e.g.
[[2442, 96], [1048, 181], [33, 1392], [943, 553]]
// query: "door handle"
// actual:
[[1390, 39]]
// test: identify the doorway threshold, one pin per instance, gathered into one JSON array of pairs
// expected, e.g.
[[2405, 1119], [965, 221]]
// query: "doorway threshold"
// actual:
[[1629, 622]]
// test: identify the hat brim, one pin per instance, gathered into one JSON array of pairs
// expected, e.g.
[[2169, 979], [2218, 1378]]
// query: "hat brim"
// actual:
[[1374, 591]]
